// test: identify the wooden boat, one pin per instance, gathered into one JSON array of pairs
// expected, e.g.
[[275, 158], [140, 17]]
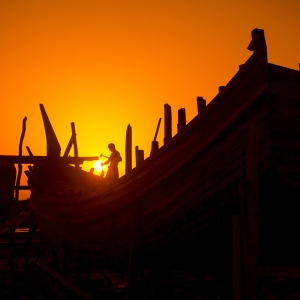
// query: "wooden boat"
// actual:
[[250, 132]]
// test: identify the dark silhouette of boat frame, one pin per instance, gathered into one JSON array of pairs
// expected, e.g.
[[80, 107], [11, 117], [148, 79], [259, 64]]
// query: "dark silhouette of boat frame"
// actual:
[[233, 159]]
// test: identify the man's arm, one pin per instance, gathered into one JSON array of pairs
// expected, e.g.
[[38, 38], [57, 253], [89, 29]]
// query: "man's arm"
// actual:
[[108, 161]]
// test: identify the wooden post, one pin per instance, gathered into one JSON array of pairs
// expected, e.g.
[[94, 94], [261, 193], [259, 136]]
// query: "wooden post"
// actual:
[[75, 144], [221, 88], [70, 144], [7, 186], [141, 156], [168, 123], [154, 147], [201, 104], [137, 157], [128, 150], [236, 258], [181, 119]]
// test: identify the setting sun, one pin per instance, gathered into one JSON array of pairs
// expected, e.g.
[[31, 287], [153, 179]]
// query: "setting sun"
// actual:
[[98, 166]]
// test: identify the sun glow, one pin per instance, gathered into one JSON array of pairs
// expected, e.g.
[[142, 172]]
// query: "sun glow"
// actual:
[[98, 166]]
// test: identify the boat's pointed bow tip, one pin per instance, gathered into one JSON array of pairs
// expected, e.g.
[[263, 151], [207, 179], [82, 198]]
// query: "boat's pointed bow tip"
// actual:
[[257, 39]]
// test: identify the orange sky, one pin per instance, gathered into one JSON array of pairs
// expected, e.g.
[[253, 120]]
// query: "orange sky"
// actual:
[[105, 64]]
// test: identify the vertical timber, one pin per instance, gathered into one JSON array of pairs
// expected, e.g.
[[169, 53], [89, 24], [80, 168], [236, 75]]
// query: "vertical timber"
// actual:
[[181, 120], [168, 123], [128, 150]]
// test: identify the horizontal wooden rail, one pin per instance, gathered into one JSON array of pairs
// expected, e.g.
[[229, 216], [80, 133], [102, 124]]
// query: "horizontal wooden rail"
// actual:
[[22, 188], [34, 159]]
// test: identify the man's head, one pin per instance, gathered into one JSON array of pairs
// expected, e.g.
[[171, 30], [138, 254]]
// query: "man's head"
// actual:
[[111, 147]]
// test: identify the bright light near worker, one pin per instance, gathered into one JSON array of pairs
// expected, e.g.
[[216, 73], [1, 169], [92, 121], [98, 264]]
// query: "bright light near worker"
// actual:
[[97, 165]]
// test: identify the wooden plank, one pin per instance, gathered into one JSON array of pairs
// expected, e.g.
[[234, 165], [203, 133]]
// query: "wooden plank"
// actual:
[[64, 281], [22, 187], [278, 271], [35, 159], [14, 222]]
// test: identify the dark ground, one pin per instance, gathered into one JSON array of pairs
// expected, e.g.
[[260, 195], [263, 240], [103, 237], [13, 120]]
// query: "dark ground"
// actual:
[[192, 284]]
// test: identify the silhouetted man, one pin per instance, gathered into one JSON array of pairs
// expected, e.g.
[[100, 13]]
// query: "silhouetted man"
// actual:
[[114, 159]]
